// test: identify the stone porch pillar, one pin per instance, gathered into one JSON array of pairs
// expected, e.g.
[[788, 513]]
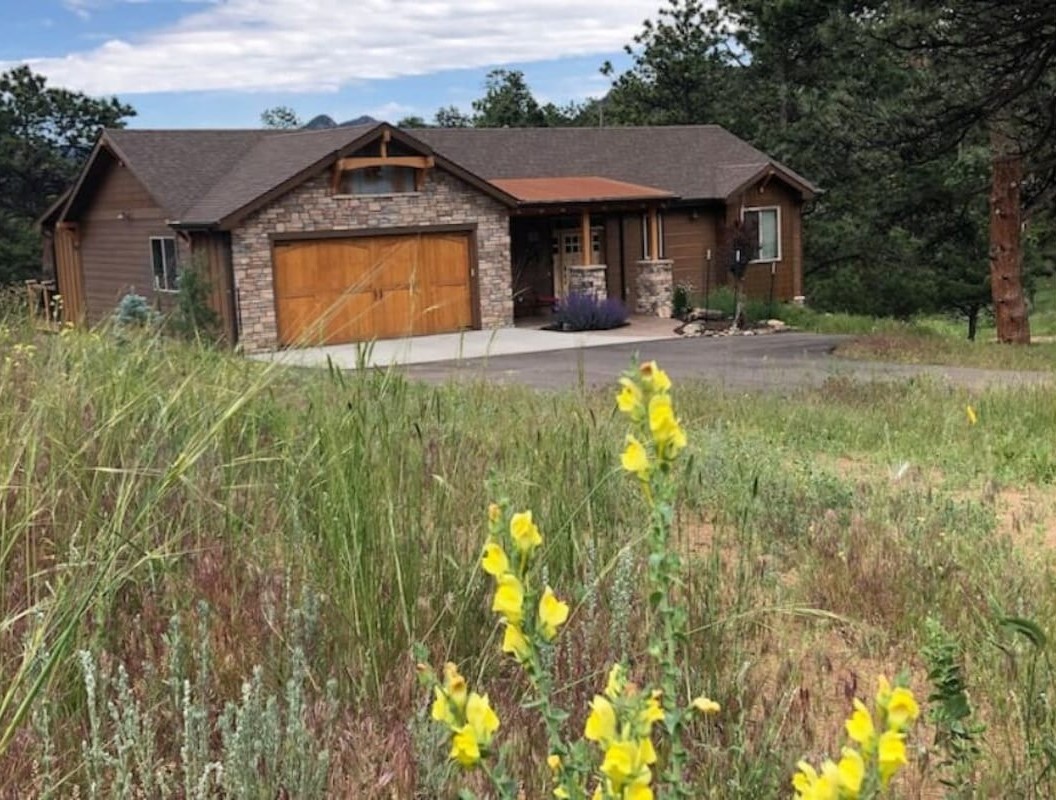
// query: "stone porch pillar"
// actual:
[[655, 287], [589, 280]]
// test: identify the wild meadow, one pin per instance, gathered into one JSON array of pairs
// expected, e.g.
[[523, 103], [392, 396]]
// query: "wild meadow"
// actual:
[[219, 578]]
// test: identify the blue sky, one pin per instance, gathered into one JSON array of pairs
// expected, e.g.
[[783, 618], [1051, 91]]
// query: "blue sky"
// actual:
[[219, 63]]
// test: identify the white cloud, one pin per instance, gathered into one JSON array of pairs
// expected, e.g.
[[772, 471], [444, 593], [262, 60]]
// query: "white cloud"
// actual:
[[321, 45]]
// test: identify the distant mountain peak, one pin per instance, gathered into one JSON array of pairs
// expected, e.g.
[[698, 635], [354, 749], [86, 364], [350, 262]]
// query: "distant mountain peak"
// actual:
[[324, 121]]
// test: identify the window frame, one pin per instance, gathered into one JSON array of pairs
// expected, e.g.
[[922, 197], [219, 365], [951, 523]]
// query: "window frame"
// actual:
[[174, 273], [777, 229], [410, 179], [659, 237]]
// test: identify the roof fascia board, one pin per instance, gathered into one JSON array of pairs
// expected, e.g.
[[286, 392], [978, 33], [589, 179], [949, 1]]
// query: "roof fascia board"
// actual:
[[775, 169]]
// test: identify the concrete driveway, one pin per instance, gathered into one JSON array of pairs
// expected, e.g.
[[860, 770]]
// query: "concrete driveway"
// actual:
[[772, 362]]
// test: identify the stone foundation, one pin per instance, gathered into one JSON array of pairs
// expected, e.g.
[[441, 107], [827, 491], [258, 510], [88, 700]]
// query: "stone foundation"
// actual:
[[443, 200], [589, 280], [655, 288]]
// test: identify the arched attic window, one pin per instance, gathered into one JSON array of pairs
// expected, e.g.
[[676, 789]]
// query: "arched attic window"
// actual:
[[384, 167]]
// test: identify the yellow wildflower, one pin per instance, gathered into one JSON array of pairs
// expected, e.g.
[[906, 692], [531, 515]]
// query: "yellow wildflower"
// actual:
[[494, 561], [629, 399], [509, 598], [615, 682], [860, 726], [706, 705], [554, 762], [970, 413], [441, 710], [638, 791], [621, 763], [883, 693], [851, 770], [494, 513], [481, 717], [552, 614], [651, 712], [601, 723], [514, 641], [891, 754], [668, 434], [524, 532], [455, 685], [635, 459], [902, 709], [654, 378], [809, 785], [464, 747]]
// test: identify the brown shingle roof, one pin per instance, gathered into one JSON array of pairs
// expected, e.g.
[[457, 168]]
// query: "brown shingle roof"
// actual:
[[205, 177], [695, 162], [575, 190]]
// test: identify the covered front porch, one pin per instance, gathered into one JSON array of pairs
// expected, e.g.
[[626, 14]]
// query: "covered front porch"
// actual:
[[588, 236]]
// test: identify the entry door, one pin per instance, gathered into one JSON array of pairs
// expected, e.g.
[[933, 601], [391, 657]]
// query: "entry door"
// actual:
[[568, 252]]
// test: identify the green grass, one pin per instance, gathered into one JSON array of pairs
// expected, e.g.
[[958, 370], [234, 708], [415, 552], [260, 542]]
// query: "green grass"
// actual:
[[141, 478]]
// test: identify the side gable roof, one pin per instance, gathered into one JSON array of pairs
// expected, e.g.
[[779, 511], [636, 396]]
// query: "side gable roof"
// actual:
[[215, 177], [691, 161]]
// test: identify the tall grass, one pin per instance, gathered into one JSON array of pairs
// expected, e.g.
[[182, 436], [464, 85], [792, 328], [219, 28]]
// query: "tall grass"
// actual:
[[141, 478]]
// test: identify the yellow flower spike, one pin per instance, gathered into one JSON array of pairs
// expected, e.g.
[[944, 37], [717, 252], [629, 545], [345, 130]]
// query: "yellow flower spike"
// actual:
[[514, 642], [654, 378], [614, 683], [524, 532], [851, 771], [455, 685], [601, 723], [509, 599], [635, 458], [464, 748], [805, 779], [860, 726], [706, 705], [667, 433], [481, 718], [902, 709], [552, 614], [970, 413], [890, 755], [493, 560], [646, 751], [638, 791], [554, 762]]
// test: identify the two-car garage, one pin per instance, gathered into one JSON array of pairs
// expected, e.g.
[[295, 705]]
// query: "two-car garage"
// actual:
[[348, 288]]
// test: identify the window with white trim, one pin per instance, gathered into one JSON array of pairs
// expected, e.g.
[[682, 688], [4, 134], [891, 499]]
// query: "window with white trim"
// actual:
[[767, 220], [379, 180], [659, 236], [165, 263]]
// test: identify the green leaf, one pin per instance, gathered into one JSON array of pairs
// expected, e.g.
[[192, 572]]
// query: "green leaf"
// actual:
[[1027, 628]]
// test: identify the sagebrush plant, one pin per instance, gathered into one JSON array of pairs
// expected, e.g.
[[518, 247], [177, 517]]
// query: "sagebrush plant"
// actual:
[[585, 312]]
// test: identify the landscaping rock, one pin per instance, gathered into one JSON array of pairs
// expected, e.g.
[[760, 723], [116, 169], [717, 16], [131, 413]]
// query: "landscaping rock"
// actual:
[[691, 329], [706, 314], [775, 324]]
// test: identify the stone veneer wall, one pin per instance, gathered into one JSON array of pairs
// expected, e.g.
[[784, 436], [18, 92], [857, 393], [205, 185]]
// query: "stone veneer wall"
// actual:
[[444, 200], [588, 280], [655, 288]]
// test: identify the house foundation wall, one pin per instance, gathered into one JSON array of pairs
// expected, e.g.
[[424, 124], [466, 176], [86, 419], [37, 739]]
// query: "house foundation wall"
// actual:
[[444, 200]]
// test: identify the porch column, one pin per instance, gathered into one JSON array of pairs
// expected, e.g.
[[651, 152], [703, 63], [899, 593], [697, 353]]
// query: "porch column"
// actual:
[[586, 243]]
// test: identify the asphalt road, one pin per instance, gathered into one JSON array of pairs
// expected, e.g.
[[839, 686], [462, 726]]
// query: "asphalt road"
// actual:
[[775, 363]]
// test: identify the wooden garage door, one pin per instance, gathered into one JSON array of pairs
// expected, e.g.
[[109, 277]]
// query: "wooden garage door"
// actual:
[[329, 291]]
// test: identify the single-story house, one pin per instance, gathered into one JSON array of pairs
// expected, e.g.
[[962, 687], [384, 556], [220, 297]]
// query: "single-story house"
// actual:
[[372, 231]]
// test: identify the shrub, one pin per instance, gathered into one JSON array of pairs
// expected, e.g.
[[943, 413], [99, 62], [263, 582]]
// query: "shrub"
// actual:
[[193, 315], [681, 301], [583, 312], [134, 311]]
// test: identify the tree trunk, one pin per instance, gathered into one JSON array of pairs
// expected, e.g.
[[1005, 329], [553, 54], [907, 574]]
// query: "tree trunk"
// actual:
[[1006, 257], [738, 305]]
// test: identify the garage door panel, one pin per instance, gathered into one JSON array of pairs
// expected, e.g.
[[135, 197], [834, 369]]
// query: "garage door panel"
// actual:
[[361, 288]]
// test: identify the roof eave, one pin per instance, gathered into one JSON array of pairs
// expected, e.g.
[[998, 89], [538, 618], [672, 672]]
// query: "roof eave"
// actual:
[[806, 190]]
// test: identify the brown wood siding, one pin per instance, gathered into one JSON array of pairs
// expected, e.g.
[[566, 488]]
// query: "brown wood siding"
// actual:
[[690, 242], [68, 273], [213, 251], [115, 251], [788, 272], [611, 248]]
